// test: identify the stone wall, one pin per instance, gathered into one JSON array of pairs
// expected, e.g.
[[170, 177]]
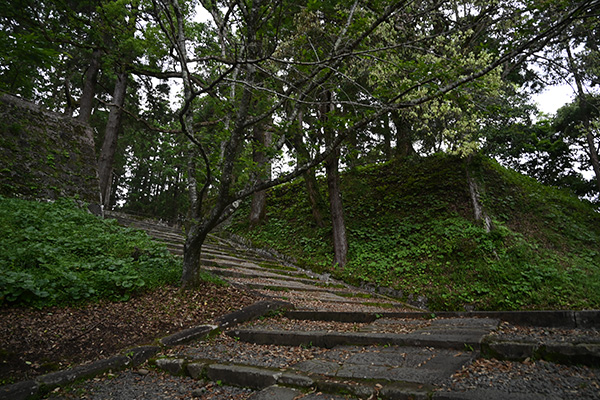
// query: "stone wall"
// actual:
[[45, 155]]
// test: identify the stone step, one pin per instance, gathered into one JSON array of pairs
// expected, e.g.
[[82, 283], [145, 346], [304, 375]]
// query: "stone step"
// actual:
[[278, 269], [283, 284], [251, 269], [213, 252], [244, 272], [275, 383], [130, 221], [362, 371], [325, 299], [171, 237], [469, 340], [390, 392], [253, 262], [453, 333], [278, 360], [225, 252], [572, 352], [330, 295], [227, 257]]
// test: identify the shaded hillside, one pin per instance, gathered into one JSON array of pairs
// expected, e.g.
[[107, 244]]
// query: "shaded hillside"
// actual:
[[411, 227]]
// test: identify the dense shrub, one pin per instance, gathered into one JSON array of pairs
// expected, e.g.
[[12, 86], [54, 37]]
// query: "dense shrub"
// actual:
[[55, 253]]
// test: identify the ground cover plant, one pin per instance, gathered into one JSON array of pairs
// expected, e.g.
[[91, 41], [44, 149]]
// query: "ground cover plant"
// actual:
[[55, 253], [411, 227], [64, 277]]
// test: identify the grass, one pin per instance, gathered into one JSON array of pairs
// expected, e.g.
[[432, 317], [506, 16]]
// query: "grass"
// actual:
[[54, 253], [356, 295], [410, 226]]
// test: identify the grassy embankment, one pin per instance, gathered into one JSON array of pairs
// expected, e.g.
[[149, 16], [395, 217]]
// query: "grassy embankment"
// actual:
[[411, 226]]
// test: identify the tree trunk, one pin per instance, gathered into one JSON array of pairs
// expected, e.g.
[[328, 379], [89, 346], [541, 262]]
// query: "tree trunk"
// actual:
[[352, 151], [312, 188], [190, 277], [404, 146], [479, 212], [593, 154], [192, 185], [340, 241], [314, 197], [109, 146], [86, 101], [386, 132], [70, 104], [262, 139], [258, 212]]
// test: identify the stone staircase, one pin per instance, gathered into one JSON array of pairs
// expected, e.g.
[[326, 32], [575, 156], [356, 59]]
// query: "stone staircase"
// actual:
[[269, 276], [360, 360], [317, 338]]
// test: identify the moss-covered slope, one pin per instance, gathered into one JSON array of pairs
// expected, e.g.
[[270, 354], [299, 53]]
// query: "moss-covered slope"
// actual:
[[411, 226]]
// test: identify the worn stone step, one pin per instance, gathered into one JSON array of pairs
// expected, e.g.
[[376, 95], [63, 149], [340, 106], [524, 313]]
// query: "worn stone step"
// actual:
[[568, 353], [243, 272], [336, 316], [327, 390], [491, 394], [130, 221], [227, 260], [232, 248], [223, 262], [263, 264], [285, 383], [314, 293], [276, 392], [359, 370], [283, 284], [326, 296], [387, 364], [278, 385], [176, 252], [173, 237], [320, 297], [451, 333], [454, 340], [246, 272]]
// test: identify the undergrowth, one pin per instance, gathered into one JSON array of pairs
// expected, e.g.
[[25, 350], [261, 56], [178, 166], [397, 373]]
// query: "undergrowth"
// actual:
[[410, 226], [54, 253]]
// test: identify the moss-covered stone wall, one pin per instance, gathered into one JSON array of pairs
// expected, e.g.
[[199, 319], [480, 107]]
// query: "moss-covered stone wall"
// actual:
[[45, 155]]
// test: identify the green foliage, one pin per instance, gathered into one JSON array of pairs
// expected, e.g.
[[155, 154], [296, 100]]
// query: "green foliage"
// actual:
[[56, 254], [552, 150], [410, 226]]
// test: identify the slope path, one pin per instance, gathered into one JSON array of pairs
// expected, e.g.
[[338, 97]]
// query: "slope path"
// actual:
[[324, 336], [316, 338]]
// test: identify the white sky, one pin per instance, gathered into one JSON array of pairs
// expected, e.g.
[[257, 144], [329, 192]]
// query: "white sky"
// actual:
[[554, 98]]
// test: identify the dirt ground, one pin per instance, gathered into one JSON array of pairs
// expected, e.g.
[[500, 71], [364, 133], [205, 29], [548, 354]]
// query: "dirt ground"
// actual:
[[34, 342]]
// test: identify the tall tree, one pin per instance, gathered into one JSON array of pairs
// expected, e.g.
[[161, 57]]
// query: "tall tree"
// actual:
[[578, 127], [336, 206], [265, 62], [261, 55], [555, 148], [586, 124], [111, 133], [262, 140], [120, 25]]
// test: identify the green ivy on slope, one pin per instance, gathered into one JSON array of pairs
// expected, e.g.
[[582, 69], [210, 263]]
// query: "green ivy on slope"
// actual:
[[54, 253], [410, 226]]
